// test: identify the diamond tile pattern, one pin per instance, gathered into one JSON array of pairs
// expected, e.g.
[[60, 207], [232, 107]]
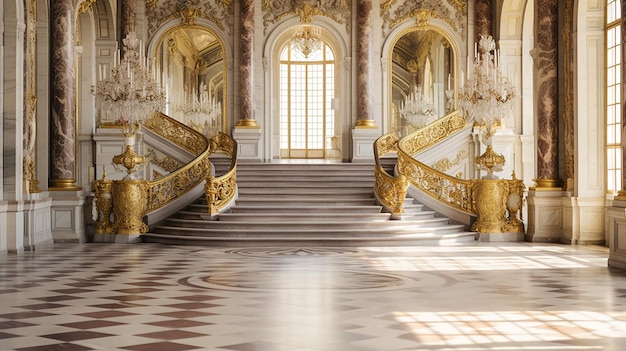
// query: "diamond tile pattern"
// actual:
[[474, 296]]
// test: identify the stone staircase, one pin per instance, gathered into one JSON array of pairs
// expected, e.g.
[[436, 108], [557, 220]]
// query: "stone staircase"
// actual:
[[325, 204]]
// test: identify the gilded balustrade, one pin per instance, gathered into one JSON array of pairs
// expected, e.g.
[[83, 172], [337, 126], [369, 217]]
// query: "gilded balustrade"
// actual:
[[220, 191], [389, 190], [130, 201], [495, 203]]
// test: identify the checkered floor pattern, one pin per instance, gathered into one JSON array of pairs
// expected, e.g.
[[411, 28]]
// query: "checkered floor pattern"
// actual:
[[476, 296]]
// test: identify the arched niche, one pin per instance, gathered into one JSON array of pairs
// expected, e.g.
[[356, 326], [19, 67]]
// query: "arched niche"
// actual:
[[421, 64], [191, 67], [277, 40]]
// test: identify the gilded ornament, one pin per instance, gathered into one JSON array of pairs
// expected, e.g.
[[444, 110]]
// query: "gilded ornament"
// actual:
[[104, 204], [129, 206], [306, 13], [85, 5]]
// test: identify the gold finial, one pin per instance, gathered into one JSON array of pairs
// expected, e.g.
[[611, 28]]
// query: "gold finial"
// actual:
[[104, 173]]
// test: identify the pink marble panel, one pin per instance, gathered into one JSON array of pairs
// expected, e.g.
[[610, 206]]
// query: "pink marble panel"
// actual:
[[364, 25], [547, 93], [63, 120], [245, 67]]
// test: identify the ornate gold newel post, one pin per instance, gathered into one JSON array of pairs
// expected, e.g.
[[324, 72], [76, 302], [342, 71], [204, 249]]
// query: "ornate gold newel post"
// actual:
[[497, 203], [544, 198], [129, 205]]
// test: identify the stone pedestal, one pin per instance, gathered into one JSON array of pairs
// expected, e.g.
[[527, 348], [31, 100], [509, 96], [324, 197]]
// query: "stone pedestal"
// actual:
[[67, 216], [545, 215], [363, 144], [616, 232], [248, 144]]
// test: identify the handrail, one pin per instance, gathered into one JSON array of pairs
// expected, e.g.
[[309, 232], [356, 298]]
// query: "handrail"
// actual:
[[454, 192], [221, 191], [131, 200], [495, 203], [162, 191], [391, 191]]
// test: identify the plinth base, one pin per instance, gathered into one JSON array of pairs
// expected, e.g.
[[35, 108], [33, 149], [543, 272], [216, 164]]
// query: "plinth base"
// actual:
[[501, 237]]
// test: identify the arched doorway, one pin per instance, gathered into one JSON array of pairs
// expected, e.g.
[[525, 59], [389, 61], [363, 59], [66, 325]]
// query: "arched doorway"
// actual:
[[306, 97]]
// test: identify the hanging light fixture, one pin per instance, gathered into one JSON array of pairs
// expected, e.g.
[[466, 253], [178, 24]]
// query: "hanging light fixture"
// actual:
[[307, 39]]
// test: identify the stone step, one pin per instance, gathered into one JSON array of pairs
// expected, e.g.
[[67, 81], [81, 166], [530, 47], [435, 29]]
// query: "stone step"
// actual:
[[306, 204], [311, 225], [304, 207], [421, 239], [326, 218], [307, 191]]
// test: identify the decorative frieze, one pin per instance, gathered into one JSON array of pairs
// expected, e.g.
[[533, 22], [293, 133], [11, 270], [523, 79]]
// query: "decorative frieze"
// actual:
[[337, 10], [394, 12], [220, 12]]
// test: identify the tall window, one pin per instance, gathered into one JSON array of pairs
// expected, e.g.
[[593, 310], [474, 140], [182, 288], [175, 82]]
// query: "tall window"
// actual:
[[307, 87], [613, 96]]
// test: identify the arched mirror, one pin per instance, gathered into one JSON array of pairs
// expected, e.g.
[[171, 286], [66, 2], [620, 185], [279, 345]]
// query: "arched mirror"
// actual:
[[190, 60], [422, 79]]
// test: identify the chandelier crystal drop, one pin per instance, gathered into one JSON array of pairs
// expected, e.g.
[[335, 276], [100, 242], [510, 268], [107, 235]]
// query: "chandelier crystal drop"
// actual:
[[416, 109], [130, 94], [202, 111], [307, 39]]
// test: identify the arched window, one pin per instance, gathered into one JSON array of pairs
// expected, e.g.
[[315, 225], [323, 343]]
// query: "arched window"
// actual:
[[613, 96], [307, 88]]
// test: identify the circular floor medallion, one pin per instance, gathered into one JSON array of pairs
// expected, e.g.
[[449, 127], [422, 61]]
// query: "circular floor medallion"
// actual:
[[268, 280]]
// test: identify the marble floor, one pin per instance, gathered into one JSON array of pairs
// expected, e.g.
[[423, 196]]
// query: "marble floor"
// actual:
[[476, 296]]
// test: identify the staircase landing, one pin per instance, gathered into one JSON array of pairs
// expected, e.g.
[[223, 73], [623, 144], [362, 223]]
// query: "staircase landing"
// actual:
[[310, 204]]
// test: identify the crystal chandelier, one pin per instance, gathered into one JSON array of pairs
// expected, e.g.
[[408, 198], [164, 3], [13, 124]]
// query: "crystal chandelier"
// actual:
[[129, 95], [202, 112], [485, 98], [416, 109], [307, 39], [487, 95]]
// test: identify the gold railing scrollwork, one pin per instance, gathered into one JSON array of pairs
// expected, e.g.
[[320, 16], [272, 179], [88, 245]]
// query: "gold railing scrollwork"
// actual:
[[496, 203], [130, 200], [164, 190], [391, 190], [220, 191]]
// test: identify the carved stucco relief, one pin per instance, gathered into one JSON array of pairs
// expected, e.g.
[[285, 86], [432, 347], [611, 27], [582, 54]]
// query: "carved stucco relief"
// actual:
[[219, 12], [394, 12], [337, 10]]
